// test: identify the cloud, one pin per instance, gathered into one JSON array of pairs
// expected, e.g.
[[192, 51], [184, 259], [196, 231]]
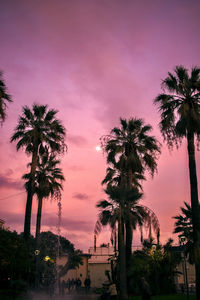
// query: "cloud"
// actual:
[[81, 196], [77, 140], [75, 168], [12, 218], [7, 182], [49, 220], [67, 223]]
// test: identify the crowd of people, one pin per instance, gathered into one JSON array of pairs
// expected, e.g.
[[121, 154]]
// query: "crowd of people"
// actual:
[[74, 285]]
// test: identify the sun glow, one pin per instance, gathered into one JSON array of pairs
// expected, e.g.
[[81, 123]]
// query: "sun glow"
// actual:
[[98, 148]]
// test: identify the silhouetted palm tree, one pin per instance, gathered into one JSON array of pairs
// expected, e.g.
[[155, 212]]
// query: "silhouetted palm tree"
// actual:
[[48, 182], [130, 152], [179, 105], [4, 98], [130, 149], [141, 215], [36, 128], [183, 225]]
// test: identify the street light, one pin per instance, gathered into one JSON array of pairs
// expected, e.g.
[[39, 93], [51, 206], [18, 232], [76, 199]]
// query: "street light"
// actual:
[[182, 241]]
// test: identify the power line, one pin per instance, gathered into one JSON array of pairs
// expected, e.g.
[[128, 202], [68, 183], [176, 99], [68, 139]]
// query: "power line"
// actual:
[[12, 196]]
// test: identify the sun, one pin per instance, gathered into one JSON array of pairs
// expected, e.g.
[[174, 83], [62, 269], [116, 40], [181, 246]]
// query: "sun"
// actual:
[[98, 148]]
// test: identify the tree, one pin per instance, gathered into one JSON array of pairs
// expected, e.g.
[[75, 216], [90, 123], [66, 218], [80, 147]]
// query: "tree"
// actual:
[[36, 128], [179, 105], [48, 182], [4, 98], [139, 215], [49, 247], [130, 152], [183, 226], [157, 263]]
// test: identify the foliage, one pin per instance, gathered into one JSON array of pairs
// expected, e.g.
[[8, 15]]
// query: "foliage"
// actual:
[[4, 98], [183, 226], [179, 104], [157, 264], [17, 263], [50, 246], [15, 260]]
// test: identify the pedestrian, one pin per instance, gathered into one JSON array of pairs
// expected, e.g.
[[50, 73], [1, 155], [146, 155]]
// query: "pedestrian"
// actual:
[[78, 283], [87, 283], [63, 288], [145, 289], [68, 285]]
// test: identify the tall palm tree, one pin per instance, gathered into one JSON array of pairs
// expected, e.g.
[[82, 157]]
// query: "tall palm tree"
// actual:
[[130, 151], [36, 128], [48, 182], [179, 105], [4, 98]]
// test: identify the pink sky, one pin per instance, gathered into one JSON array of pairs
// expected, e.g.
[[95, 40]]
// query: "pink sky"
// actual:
[[94, 61]]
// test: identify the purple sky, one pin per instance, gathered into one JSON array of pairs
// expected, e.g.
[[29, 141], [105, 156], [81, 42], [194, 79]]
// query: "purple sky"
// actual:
[[95, 61]]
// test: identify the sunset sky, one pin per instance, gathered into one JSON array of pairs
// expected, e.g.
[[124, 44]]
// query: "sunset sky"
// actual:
[[94, 61]]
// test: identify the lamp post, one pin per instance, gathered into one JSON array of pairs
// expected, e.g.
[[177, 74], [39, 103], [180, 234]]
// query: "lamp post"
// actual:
[[182, 241]]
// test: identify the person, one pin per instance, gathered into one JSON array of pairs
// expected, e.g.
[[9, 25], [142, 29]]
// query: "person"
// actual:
[[87, 283], [63, 288], [112, 290], [78, 284], [72, 283], [145, 289], [68, 285]]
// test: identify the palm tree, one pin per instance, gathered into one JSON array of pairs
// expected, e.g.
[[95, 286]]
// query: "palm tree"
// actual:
[[130, 152], [131, 149], [110, 214], [48, 182], [4, 97], [183, 224], [179, 105], [141, 216], [36, 128]]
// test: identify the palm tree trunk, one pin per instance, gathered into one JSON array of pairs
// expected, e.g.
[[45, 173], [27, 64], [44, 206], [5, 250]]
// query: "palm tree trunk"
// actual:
[[122, 259], [195, 208], [129, 237], [37, 236], [27, 220], [129, 229], [38, 223]]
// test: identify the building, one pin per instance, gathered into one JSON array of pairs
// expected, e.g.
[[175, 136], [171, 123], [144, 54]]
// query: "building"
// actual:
[[80, 272], [96, 263], [99, 263]]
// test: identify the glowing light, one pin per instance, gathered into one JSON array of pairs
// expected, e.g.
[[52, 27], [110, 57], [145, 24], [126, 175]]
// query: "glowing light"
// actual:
[[46, 258], [98, 148]]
